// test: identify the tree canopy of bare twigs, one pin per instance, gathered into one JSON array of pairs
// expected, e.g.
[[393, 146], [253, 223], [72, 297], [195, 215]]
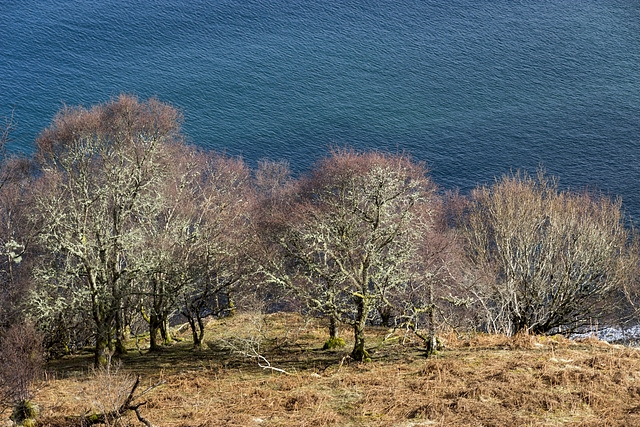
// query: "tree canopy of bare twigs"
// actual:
[[220, 211], [99, 168], [115, 219], [348, 234], [15, 233], [546, 258], [434, 297]]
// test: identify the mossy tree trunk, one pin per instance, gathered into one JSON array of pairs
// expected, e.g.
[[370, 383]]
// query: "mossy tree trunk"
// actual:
[[197, 331], [359, 353], [104, 328], [25, 413], [230, 306], [102, 347], [333, 328], [154, 325], [334, 341], [164, 331], [119, 334]]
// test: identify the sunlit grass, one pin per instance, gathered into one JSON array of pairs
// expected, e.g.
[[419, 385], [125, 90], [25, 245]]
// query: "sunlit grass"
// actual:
[[477, 379]]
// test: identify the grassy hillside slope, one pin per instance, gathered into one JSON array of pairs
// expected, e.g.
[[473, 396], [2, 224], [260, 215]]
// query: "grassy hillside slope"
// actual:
[[477, 380]]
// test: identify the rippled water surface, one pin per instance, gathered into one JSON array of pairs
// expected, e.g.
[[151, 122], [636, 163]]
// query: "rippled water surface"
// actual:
[[473, 88]]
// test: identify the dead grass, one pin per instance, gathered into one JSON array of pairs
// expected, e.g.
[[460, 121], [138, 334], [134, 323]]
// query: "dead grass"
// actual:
[[478, 380]]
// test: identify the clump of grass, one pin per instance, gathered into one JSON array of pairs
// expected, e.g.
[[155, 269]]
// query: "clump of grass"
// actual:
[[105, 392], [332, 343]]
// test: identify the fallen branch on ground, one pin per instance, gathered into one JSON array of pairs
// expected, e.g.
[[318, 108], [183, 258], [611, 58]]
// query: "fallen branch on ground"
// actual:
[[127, 405]]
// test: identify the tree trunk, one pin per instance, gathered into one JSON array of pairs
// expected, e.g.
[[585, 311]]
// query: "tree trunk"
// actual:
[[102, 346], [154, 324], [164, 331], [197, 343], [201, 326], [120, 348], [385, 316], [104, 328], [519, 323], [230, 306], [432, 343], [197, 330], [359, 353], [333, 328]]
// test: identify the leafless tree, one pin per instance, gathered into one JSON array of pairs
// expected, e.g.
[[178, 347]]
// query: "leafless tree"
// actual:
[[16, 236], [169, 238], [210, 237], [546, 258], [348, 233], [434, 296], [99, 168]]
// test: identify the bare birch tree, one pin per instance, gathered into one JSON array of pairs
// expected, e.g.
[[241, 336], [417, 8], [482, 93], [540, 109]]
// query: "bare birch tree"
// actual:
[[16, 236], [434, 296], [216, 258], [98, 168], [546, 258], [349, 234]]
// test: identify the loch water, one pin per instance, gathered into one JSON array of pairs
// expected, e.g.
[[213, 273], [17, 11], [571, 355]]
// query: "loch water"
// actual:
[[474, 88]]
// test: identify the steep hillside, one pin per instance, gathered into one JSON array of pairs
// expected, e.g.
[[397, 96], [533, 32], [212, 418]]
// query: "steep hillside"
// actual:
[[271, 370]]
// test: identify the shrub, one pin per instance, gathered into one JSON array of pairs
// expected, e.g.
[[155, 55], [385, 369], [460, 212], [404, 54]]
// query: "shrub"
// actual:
[[546, 259], [21, 360]]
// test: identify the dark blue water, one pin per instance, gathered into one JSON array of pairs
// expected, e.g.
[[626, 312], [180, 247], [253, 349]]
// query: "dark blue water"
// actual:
[[474, 88]]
